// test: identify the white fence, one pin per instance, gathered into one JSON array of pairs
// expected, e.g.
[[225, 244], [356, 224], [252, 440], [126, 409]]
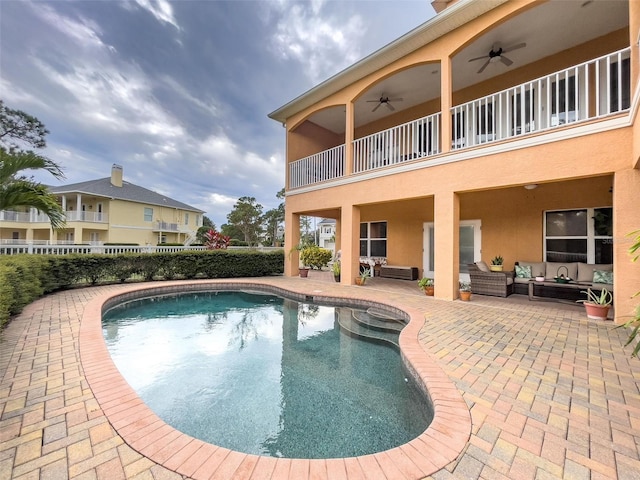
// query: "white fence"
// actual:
[[108, 249]]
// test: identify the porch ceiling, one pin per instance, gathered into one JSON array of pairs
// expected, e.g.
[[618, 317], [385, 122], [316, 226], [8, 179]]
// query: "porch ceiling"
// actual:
[[546, 29]]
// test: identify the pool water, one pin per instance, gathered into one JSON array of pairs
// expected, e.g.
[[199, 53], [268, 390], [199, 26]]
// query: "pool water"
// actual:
[[266, 375]]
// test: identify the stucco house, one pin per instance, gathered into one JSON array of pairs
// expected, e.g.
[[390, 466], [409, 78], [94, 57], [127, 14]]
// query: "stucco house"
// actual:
[[327, 233], [106, 210], [494, 128]]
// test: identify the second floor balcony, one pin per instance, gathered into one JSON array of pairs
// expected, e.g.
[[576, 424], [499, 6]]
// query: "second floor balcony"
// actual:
[[33, 216], [590, 91]]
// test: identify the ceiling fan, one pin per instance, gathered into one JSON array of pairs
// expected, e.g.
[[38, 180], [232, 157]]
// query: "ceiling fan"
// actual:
[[496, 54], [384, 101]]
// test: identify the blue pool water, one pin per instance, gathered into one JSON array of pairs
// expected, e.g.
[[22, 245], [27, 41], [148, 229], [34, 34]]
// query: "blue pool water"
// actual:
[[267, 375]]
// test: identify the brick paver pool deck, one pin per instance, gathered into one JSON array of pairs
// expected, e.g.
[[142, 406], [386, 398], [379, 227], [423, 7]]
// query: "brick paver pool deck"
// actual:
[[545, 393]]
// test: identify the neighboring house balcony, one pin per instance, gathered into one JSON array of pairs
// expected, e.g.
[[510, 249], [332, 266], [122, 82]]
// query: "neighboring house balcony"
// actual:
[[590, 92], [82, 216], [167, 227], [23, 217]]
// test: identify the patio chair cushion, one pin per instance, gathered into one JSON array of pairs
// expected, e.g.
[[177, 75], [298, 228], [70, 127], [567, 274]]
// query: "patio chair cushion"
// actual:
[[585, 271], [482, 266]]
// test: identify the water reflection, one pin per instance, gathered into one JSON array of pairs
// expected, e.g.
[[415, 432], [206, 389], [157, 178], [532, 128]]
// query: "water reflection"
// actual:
[[265, 375]]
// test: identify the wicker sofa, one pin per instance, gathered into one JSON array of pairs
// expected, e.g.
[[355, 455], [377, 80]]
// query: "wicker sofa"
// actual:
[[581, 274], [499, 284]]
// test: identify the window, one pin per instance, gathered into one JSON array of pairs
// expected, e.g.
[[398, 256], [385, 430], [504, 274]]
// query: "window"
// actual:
[[583, 235], [485, 122], [373, 239], [148, 214], [522, 112], [620, 75], [186, 219], [563, 101]]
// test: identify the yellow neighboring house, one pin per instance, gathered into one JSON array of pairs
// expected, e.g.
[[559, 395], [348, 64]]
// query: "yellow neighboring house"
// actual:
[[107, 210], [495, 128]]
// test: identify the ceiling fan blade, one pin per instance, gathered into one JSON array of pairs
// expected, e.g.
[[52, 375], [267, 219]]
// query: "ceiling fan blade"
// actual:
[[389, 106], [505, 60], [373, 101], [514, 47], [484, 66], [395, 99], [376, 107], [477, 58]]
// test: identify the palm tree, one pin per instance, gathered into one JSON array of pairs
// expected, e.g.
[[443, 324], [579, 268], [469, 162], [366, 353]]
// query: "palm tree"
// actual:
[[18, 190]]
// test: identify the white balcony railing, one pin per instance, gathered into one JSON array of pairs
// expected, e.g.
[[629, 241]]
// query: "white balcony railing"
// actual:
[[23, 217], [588, 91], [83, 216], [316, 168], [416, 139]]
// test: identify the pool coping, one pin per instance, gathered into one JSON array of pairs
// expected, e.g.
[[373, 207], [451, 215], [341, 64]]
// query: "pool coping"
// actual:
[[439, 445]]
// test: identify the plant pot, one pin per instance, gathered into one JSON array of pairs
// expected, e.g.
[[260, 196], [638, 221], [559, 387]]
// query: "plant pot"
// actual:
[[428, 291], [337, 278], [304, 272], [465, 296], [596, 312], [360, 280], [495, 268]]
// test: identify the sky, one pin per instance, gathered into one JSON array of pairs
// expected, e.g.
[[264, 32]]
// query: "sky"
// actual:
[[178, 92]]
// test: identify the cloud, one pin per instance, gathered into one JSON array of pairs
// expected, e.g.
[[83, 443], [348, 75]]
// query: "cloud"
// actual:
[[322, 42], [161, 10]]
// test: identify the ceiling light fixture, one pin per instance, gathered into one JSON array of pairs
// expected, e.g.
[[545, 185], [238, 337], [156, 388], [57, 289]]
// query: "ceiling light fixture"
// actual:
[[531, 186]]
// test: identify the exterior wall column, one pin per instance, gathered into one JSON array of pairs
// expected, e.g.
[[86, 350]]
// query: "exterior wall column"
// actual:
[[77, 235], [64, 203], [78, 205], [626, 219], [446, 212], [348, 139], [634, 38], [446, 100], [291, 239], [350, 244], [338, 243]]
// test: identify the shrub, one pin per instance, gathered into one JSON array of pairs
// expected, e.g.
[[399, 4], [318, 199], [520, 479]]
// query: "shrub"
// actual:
[[24, 278], [315, 257]]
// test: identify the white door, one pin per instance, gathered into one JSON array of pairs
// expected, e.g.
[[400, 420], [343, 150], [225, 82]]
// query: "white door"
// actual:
[[470, 241]]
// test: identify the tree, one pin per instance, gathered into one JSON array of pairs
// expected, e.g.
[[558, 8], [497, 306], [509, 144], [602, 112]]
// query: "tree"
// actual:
[[207, 225], [273, 219], [20, 131], [305, 226], [247, 217]]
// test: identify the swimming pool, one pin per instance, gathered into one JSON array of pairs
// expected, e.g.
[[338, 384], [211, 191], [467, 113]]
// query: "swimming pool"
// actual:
[[268, 375]]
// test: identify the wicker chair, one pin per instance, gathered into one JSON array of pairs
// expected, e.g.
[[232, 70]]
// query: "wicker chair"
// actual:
[[499, 284]]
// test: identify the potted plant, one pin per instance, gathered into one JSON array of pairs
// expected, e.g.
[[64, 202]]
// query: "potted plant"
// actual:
[[364, 274], [496, 263], [304, 267], [426, 285], [335, 268], [465, 291], [597, 306]]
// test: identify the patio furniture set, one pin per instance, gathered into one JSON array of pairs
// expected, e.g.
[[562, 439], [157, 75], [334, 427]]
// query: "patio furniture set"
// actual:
[[548, 280]]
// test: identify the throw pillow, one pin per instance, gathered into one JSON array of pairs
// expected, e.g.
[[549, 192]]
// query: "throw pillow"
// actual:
[[600, 276], [523, 271]]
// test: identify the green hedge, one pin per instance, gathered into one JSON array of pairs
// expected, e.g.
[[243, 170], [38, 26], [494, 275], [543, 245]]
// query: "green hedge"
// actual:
[[24, 278]]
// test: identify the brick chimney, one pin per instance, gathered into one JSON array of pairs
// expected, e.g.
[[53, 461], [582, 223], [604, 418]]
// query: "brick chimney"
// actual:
[[116, 175]]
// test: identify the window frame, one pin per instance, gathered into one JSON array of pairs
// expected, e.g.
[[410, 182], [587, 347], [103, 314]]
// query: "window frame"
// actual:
[[591, 237], [148, 214], [368, 239]]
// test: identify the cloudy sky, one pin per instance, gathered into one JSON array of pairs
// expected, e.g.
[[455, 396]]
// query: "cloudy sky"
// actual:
[[178, 92]]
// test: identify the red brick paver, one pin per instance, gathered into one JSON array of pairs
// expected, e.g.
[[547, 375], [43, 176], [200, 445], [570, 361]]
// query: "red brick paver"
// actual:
[[521, 390]]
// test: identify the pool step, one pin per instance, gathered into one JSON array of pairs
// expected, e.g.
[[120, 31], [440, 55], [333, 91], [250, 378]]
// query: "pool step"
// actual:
[[379, 320], [352, 326]]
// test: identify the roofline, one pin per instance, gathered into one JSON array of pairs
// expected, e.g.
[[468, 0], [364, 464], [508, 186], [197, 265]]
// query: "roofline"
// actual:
[[109, 197], [444, 22]]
